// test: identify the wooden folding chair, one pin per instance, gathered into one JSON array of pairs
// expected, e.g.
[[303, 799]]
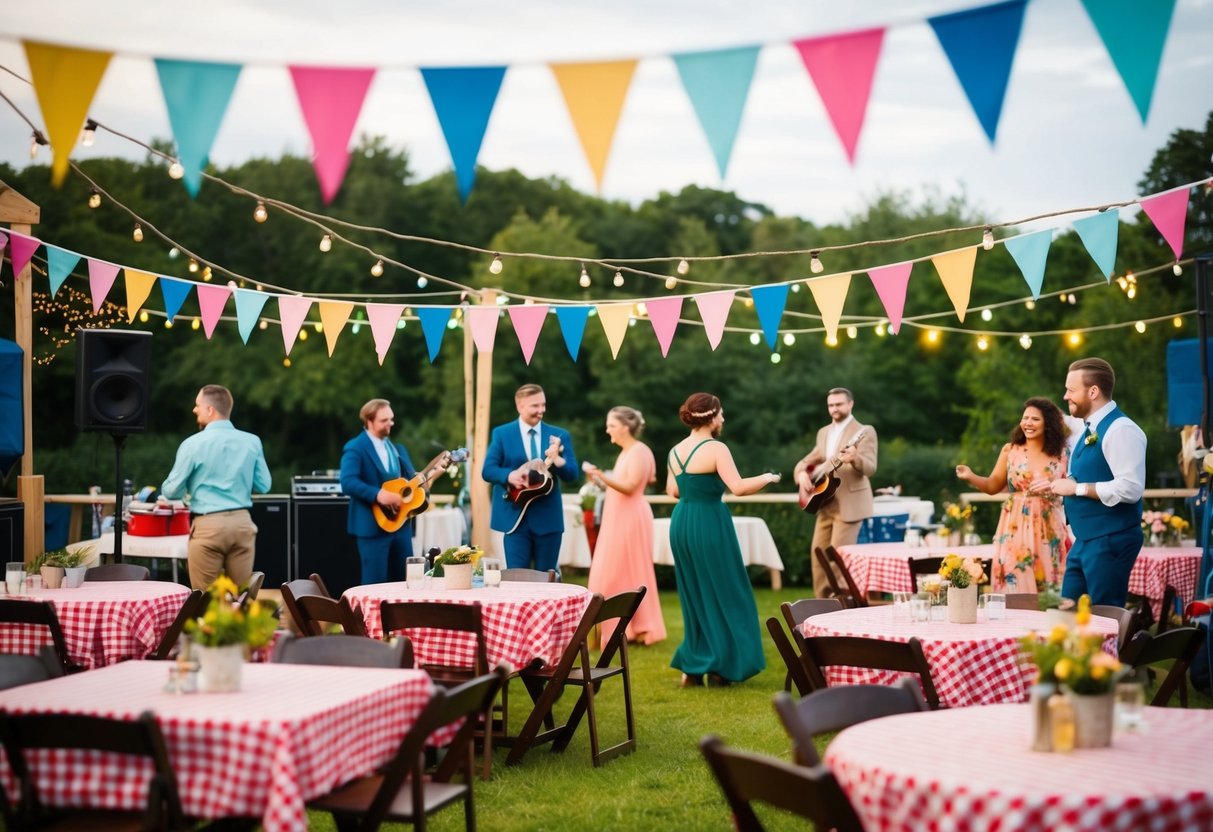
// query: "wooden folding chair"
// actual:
[[117, 572], [534, 576], [821, 652], [847, 592], [317, 614], [40, 614], [194, 606], [545, 684], [923, 566], [1126, 620], [796, 613], [255, 580], [1166, 609], [297, 589], [796, 674], [861, 599], [829, 710], [344, 651], [18, 669], [810, 793], [401, 792], [1179, 645], [140, 738]]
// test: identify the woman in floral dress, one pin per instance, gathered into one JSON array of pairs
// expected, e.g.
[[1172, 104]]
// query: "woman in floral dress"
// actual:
[[1031, 543]]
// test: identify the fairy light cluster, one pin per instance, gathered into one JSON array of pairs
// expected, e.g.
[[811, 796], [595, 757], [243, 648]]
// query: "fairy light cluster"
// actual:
[[63, 314]]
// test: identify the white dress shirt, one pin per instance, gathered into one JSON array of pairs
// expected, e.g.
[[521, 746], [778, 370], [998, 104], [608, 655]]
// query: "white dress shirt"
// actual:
[[834, 438], [1124, 447]]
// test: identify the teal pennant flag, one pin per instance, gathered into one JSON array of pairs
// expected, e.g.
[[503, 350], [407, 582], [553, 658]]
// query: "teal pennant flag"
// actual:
[[980, 44], [1134, 33], [433, 325], [718, 83], [196, 95], [174, 292], [1098, 233], [769, 302], [572, 326], [463, 99], [249, 304], [1030, 252], [59, 264]]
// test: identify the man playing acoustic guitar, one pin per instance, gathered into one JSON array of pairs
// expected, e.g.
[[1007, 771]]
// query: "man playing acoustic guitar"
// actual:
[[524, 459], [838, 519]]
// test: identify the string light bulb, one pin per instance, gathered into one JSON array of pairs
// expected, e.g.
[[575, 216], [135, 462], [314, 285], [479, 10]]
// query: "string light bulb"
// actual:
[[1025, 341], [422, 282], [89, 134], [815, 264], [831, 340], [260, 214], [326, 242], [671, 283], [377, 269], [987, 238], [177, 170], [193, 266], [755, 338], [618, 280], [143, 317], [496, 266], [1029, 304], [137, 234], [196, 324], [1074, 339], [1140, 326], [206, 275], [852, 332], [36, 141], [94, 199], [788, 339], [880, 329], [683, 266], [775, 358], [983, 343], [584, 280], [1177, 322], [987, 314], [1177, 270]]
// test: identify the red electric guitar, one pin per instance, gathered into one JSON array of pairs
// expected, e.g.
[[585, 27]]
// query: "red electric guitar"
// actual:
[[823, 482], [540, 481]]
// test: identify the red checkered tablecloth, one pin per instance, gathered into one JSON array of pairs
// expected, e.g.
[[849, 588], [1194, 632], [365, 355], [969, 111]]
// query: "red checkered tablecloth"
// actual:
[[1158, 568], [523, 622], [971, 664], [971, 769], [292, 733], [103, 622]]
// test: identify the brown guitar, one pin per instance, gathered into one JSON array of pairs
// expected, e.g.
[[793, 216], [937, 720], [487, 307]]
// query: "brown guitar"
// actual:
[[823, 481], [415, 499], [540, 481]]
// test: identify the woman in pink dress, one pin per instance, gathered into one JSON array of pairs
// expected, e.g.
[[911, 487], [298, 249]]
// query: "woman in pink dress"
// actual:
[[623, 556], [1031, 543]]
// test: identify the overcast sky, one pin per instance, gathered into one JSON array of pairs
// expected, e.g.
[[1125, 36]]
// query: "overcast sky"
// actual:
[[1069, 136]]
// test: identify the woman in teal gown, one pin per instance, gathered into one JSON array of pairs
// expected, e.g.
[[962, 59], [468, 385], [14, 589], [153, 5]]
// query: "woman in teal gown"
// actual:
[[720, 620]]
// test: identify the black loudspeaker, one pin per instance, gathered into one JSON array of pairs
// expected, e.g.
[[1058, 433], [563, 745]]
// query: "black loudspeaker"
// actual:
[[113, 380], [272, 515], [12, 529], [322, 544]]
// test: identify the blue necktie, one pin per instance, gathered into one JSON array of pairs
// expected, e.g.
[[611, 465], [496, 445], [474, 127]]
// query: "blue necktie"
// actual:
[[534, 443]]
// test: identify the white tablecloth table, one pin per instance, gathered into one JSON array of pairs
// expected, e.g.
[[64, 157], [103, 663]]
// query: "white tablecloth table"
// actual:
[[292, 733], [174, 547], [438, 527], [757, 546], [970, 769], [919, 511], [574, 546]]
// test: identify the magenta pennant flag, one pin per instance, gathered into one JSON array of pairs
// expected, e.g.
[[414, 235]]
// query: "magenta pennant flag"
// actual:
[[292, 309], [331, 99], [21, 249], [842, 68], [891, 283], [483, 321], [663, 315], [211, 300], [714, 309], [101, 276], [528, 322], [1168, 212], [385, 319]]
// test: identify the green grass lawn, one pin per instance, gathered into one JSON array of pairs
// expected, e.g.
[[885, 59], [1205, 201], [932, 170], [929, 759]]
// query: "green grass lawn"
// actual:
[[665, 783]]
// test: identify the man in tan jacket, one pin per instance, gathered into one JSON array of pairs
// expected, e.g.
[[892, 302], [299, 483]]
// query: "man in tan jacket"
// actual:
[[838, 519]]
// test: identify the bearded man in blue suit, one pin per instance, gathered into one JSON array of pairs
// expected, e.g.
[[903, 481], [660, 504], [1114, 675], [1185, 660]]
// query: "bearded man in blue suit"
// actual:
[[534, 538]]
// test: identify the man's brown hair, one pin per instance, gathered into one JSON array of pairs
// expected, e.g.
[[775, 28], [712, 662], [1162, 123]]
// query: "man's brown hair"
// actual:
[[1096, 373]]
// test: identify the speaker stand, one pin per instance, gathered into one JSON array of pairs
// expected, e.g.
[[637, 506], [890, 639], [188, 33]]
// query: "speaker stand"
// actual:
[[119, 496]]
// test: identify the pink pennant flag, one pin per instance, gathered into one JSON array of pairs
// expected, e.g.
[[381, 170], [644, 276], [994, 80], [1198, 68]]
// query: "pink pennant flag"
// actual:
[[1168, 212], [101, 276], [21, 249], [331, 99], [528, 321], [714, 309], [483, 321], [891, 283], [384, 318], [842, 68], [663, 315], [292, 309], [211, 300]]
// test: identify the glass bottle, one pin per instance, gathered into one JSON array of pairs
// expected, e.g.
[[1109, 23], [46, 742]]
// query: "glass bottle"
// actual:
[[1061, 720], [1042, 728]]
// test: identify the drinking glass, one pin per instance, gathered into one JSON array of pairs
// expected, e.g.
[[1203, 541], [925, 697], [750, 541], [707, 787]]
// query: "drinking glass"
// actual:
[[492, 571], [996, 606], [1130, 700], [414, 572], [901, 605], [14, 577], [33, 584], [920, 607]]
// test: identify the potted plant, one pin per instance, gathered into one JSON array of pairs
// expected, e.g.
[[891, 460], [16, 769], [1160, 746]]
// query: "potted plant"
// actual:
[[53, 564], [225, 632], [455, 565], [963, 575], [72, 562]]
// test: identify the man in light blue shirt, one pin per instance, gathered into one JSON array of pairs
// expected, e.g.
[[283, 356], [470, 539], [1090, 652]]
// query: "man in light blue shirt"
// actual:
[[218, 469]]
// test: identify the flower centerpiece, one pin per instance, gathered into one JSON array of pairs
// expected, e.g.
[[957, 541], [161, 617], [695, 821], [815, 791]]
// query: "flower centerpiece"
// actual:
[[963, 575], [455, 564], [227, 629], [957, 520], [1073, 658], [1163, 528]]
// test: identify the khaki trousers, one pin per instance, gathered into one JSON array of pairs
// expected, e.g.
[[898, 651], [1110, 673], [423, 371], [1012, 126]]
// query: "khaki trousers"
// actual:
[[829, 530], [221, 542]]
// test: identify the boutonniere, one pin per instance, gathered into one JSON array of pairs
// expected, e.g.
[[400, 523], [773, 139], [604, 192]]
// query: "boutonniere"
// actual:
[[1092, 438]]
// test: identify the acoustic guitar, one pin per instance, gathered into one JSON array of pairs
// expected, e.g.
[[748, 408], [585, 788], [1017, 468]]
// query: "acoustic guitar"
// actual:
[[540, 481], [415, 499], [823, 481]]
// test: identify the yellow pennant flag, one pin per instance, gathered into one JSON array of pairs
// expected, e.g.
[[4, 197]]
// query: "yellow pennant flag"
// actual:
[[65, 81], [333, 315], [830, 293], [956, 272], [594, 94], [614, 318], [138, 287]]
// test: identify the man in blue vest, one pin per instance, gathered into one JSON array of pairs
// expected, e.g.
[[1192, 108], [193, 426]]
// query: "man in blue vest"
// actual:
[[1103, 492]]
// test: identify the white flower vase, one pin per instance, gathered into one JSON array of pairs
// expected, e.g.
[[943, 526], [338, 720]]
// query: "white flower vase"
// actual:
[[74, 576], [962, 605], [458, 575], [1093, 718], [219, 668]]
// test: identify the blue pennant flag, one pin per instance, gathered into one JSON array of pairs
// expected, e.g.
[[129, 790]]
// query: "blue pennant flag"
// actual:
[[433, 324], [175, 292], [1134, 33], [249, 304], [1030, 252], [572, 326], [1098, 233], [768, 303], [463, 99], [59, 265], [717, 83], [196, 95]]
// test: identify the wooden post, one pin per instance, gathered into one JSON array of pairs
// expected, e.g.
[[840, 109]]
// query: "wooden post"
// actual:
[[20, 213], [482, 494]]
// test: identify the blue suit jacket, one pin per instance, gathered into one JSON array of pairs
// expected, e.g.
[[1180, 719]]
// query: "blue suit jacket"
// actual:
[[362, 475], [505, 454]]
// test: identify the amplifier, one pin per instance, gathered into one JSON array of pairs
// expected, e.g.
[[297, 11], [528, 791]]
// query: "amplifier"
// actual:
[[315, 485]]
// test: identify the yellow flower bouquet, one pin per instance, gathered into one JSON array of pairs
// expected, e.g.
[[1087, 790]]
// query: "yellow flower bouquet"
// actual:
[[961, 572], [957, 518], [1073, 656], [226, 621], [1163, 527]]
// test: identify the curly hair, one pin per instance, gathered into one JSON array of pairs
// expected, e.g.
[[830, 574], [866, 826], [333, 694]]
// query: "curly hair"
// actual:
[[698, 410], [1056, 429]]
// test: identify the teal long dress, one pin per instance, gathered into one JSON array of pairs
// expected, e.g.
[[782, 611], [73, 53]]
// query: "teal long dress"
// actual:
[[720, 619]]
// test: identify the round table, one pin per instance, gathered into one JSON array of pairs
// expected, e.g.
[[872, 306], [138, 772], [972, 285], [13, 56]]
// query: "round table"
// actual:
[[103, 622], [971, 664], [523, 622], [972, 769]]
